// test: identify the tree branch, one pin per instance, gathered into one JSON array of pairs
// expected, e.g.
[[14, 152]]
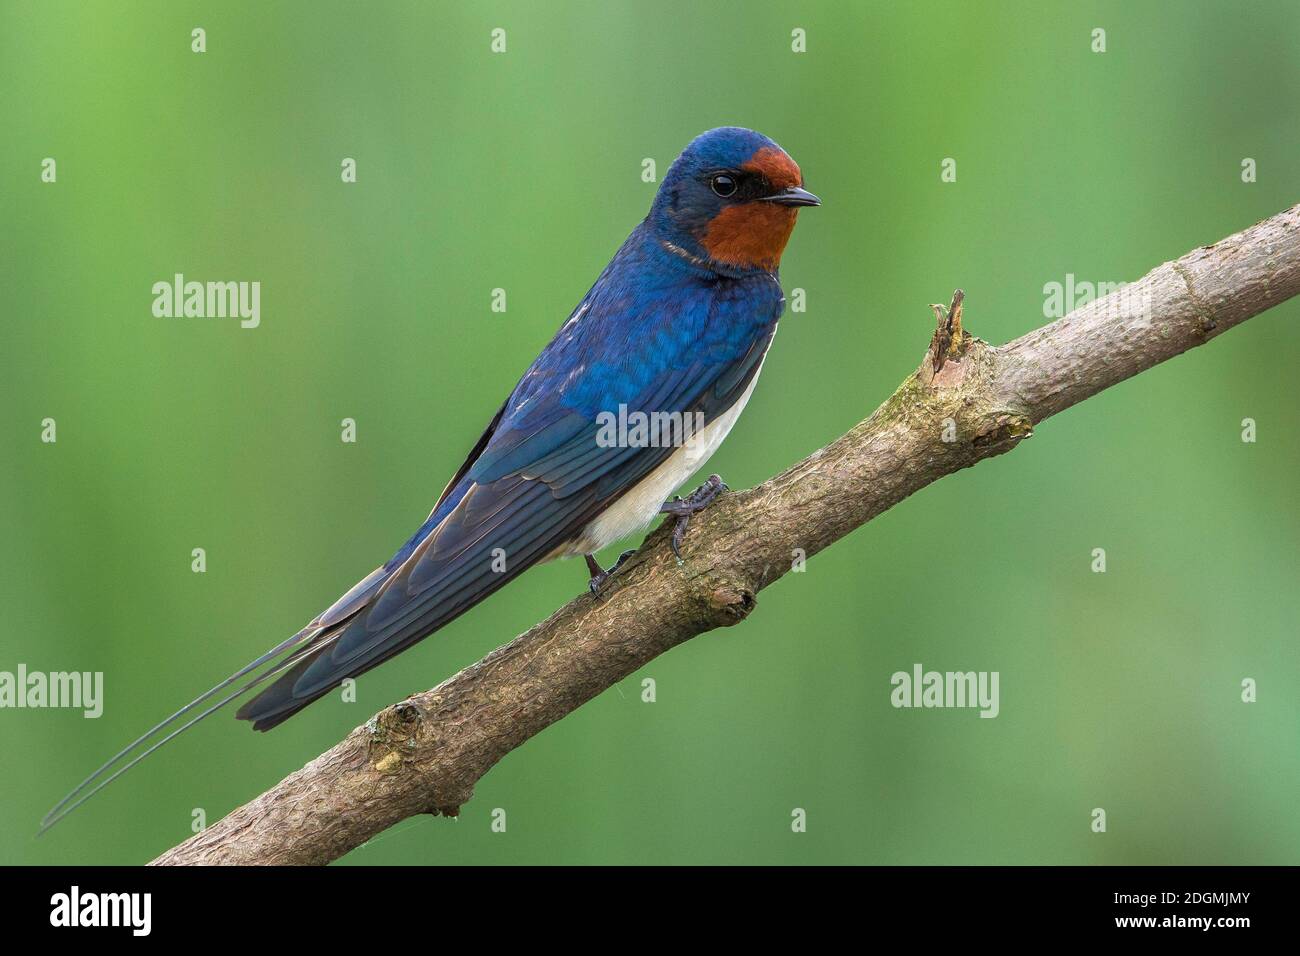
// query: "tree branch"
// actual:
[[968, 401]]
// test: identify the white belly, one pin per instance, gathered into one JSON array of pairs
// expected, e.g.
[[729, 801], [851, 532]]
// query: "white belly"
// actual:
[[639, 506]]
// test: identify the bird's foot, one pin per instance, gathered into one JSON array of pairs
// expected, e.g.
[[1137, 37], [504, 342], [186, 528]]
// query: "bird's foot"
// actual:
[[598, 576], [683, 508]]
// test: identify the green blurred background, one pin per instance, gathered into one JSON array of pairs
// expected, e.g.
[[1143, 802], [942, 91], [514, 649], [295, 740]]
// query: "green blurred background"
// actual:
[[522, 171]]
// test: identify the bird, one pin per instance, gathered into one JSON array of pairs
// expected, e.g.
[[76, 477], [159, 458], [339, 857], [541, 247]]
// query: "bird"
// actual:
[[674, 331]]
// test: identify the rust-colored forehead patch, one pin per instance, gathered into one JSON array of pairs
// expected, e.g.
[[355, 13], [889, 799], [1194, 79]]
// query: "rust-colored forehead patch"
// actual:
[[781, 171]]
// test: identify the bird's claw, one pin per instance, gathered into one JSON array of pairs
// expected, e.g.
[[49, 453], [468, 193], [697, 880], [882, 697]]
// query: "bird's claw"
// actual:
[[599, 576], [683, 508]]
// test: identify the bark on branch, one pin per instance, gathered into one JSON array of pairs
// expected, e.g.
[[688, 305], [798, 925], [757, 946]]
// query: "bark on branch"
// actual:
[[968, 401]]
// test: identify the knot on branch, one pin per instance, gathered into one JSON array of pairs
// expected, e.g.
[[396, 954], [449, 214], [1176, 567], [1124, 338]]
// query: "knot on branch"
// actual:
[[406, 739], [392, 736], [729, 604], [1002, 429]]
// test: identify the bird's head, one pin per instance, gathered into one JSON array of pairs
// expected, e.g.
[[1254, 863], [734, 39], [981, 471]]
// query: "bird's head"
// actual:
[[731, 199]]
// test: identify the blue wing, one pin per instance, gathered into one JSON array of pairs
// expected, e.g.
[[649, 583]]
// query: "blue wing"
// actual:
[[653, 335]]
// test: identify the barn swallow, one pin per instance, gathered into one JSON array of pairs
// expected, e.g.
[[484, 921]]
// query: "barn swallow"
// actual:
[[674, 331]]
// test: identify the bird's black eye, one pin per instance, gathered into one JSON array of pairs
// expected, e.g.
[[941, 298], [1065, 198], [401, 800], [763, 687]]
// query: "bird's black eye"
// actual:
[[723, 185]]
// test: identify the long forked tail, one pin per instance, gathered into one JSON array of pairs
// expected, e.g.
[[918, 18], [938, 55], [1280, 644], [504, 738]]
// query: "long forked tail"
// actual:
[[443, 571], [309, 639]]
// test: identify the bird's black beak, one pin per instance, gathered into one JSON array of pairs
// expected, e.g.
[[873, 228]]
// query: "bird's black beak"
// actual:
[[793, 196]]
